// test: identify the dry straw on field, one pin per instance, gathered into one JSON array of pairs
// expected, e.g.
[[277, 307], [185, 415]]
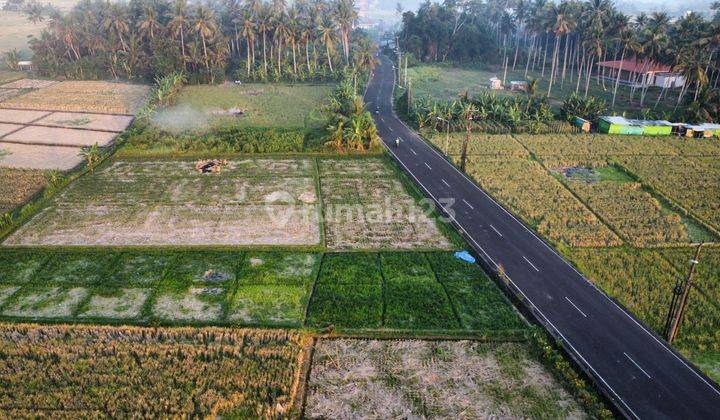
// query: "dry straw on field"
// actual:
[[83, 96], [17, 186], [422, 379], [39, 157], [146, 372]]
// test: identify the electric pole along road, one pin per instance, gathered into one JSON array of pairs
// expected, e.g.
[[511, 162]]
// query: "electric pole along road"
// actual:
[[636, 369]]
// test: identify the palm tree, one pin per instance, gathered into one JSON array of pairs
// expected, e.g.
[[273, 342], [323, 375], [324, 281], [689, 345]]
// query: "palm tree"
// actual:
[[560, 25], [345, 15], [178, 21], [263, 23], [248, 32], [629, 42], [116, 20], [149, 23], [327, 33], [204, 25]]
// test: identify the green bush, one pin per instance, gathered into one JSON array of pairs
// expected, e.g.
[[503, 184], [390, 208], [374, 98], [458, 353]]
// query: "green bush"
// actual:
[[589, 108]]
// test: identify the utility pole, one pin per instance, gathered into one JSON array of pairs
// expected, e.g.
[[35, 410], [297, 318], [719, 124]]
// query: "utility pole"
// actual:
[[406, 76], [681, 293]]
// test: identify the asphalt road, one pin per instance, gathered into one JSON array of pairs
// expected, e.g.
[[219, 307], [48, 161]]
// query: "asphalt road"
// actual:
[[635, 368]]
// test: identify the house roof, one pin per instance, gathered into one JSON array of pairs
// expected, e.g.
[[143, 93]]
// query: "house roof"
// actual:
[[635, 65]]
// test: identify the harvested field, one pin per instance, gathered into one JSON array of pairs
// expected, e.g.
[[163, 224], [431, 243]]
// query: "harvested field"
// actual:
[[17, 186], [147, 372], [28, 84], [17, 116], [55, 136], [198, 304], [421, 379], [366, 206], [83, 96], [44, 302], [171, 203], [116, 123], [27, 156], [8, 128]]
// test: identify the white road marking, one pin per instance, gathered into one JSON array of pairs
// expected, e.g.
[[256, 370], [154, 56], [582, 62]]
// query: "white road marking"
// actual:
[[531, 264], [638, 366], [413, 151], [428, 166], [390, 128], [496, 231], [468, 204], [575, 306], [444, 182]]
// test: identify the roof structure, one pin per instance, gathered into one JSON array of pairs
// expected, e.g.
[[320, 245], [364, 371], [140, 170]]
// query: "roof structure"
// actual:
[[636, 66]]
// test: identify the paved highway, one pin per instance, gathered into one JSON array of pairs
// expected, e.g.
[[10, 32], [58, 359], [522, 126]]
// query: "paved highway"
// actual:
[[636, 369]]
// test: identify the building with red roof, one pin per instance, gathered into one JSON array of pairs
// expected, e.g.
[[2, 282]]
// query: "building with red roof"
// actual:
[[641, 73]]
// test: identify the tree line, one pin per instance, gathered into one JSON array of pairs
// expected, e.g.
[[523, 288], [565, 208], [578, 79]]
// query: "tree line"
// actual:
[[564, 41], [211, 40]]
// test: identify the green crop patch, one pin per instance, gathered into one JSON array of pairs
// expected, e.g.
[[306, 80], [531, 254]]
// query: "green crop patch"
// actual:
[[20, 267], [350, 268], [77, 269], [209, 268], [279, 268], [421, 304], [142, 268], [478, 302], [346, 305], [269, 305]]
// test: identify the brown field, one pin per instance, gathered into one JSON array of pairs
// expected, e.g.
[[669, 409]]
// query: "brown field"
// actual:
[[128, 372], [83, 96], [432, 379], [17, 186], [28, 84], [8, 128], [170, 203], [29, 156], [104, 122], [17, 116], [56, 136]]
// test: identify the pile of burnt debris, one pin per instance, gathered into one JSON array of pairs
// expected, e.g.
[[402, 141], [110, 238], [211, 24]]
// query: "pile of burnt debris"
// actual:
[[207, 166]]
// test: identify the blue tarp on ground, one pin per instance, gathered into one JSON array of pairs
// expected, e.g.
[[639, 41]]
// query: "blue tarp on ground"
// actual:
[[465, 256]]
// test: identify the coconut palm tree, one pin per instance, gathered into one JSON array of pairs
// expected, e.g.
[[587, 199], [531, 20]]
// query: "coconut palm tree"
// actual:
[[149, 24], [178, 22], [205, 26], [116, 20], [248, 32], [345, 15], [326, 29]]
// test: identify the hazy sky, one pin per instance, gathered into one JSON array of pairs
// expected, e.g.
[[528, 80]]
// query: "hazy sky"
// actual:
[[386, 8]]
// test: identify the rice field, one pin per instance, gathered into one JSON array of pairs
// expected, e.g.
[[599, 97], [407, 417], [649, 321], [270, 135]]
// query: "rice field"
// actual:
[[249, 202], [56, 136], [21, 116], [83, 96], [432, 379], [102, 122], [351, 291], [17, 186], [141, 372], [36, 157]]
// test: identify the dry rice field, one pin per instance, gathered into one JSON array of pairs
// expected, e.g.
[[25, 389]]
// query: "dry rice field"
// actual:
[[8, 128], [21, 116], [432, 379], [28, 156], [56, 136], [28, 84], [250, 202], [17, 186], [83, 96], [103, 122]]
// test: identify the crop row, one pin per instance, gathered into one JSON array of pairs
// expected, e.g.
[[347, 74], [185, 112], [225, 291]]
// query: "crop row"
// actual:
[[531, 192]]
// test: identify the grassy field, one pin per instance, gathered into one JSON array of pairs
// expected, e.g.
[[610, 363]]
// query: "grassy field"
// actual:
[[438, 379], [283, 106], [137, 372], [446, 82], [650, 198]]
